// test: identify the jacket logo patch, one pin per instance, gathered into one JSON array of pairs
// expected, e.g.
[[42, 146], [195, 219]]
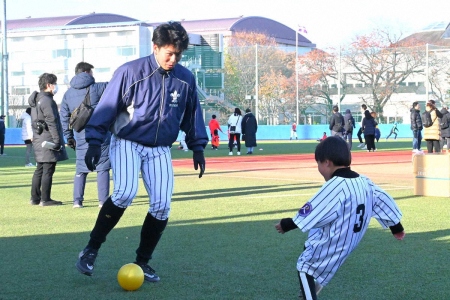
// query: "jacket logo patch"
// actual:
[[305, 210], [175, 97]]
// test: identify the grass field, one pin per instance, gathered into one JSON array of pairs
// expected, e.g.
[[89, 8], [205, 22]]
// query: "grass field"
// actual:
[[220, 242]]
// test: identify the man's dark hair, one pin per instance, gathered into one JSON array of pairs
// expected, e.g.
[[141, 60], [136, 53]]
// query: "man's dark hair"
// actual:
[[28, 110], [83, 67], [45, 79], [335, 149], [247, 110], [415, 103], [213, 116], [363, 106], [335, 108], [171, 33]]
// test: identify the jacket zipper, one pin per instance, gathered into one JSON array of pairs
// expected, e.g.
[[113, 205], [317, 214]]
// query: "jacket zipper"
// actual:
[[161, 107]]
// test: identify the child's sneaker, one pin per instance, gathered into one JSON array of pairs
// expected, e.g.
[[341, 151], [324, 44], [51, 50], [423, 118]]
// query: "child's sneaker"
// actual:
[[86, 259], [149, 273]]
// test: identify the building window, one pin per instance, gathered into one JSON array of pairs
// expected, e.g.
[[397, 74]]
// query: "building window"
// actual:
[[20, 90], [126, 51], [358, 85], [102, 70], [17, 39], [333, 86], [37, 73], [124, 33], [102, 34], [62, 53], [38, 38], [18, 73], [80, 36]]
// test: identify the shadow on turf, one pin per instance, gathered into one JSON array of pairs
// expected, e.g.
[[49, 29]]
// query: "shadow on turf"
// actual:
[[233, 260]]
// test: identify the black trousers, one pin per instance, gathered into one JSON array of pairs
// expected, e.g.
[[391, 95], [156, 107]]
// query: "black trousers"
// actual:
[[359, 134], [41, 184], [2, 143]]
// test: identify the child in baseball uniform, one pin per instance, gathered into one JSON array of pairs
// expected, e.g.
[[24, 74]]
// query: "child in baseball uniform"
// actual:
[[337, 216]]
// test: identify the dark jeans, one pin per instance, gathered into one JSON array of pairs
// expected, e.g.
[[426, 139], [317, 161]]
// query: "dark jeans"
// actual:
[[41, 184], [417, 139], [79, 185], [359, 134], [231, 141]]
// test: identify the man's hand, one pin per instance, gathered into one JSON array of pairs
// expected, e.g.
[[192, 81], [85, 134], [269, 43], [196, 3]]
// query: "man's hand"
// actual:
[[199, 160], [279, 228], [57, 147], [92, 156], [72, 143]]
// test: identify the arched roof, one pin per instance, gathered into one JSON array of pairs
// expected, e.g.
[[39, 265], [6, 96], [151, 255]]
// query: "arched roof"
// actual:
[[92, 18], [281, 33]]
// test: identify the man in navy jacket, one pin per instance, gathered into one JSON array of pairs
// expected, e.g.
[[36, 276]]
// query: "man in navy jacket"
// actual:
[[145, 104]]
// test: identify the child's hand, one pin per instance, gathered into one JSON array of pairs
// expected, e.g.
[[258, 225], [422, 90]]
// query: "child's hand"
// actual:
[[399, 236], [279, 229]]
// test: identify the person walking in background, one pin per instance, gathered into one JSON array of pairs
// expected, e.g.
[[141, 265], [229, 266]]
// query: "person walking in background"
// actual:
[[377, 130], [294, 131], [336, 122], [235, 129], [368, 128], [359, 134], [27, 135], [82, 83], [393, 131], [145, 105], [349, 125], [249, 128], [45, 109], [2, 134], [416, 127], [445, 129], [214, 127], [431, 134]]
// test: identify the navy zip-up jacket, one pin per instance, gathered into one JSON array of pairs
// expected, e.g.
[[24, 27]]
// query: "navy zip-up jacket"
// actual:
[[145, 104]]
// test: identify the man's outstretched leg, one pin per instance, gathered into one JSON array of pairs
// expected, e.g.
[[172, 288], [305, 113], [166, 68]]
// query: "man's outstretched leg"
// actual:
[[107, 218]]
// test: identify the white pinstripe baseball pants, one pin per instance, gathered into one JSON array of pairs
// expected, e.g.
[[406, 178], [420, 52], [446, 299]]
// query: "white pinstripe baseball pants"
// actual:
[[155, 164]]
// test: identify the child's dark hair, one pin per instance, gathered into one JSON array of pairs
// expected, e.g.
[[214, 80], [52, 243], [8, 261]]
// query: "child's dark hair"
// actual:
[[334, 149]]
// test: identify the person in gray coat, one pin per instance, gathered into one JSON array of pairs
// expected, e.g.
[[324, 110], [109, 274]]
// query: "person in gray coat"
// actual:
[[79, 85], [249, 127], [46, 128]]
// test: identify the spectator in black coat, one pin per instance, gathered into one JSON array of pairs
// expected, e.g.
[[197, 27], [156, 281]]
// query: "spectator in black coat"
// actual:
[[416, 127], [445, 129], [249, 127], [2, 134], [368, 128]]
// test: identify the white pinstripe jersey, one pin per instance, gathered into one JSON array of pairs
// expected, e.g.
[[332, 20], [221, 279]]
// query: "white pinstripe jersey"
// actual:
[[337, 217]]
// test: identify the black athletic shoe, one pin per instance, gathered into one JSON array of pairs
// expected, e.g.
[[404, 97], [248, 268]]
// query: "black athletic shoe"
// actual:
[[149, 273], [32, 202], [86, 259], [50, 203]]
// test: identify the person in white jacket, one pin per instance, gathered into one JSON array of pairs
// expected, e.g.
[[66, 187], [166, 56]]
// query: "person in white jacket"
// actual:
[[234, 130], [27, 135]]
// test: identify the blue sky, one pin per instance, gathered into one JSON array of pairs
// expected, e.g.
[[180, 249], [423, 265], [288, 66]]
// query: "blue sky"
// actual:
[[328, 22]]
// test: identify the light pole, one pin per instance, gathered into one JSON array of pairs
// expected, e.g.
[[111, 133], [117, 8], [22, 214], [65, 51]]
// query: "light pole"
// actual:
[[4, 66], [296, 74]]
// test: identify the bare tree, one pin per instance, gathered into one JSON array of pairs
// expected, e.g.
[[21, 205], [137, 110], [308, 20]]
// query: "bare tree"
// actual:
[[381, 64]]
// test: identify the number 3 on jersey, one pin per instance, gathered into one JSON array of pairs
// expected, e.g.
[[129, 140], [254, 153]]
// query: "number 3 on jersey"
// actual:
[[360, 212]]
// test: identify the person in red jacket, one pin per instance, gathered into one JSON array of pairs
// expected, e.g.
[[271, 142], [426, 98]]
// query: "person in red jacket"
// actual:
[[214, 127]]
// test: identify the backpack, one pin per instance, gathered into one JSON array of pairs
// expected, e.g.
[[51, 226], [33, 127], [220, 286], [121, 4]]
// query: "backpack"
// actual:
[[81, 115], [426, 119], [349, 126], [338, 123], [444, 122]]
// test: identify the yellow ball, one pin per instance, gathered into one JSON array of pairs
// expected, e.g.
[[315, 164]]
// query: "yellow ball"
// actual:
[[130, 277]]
